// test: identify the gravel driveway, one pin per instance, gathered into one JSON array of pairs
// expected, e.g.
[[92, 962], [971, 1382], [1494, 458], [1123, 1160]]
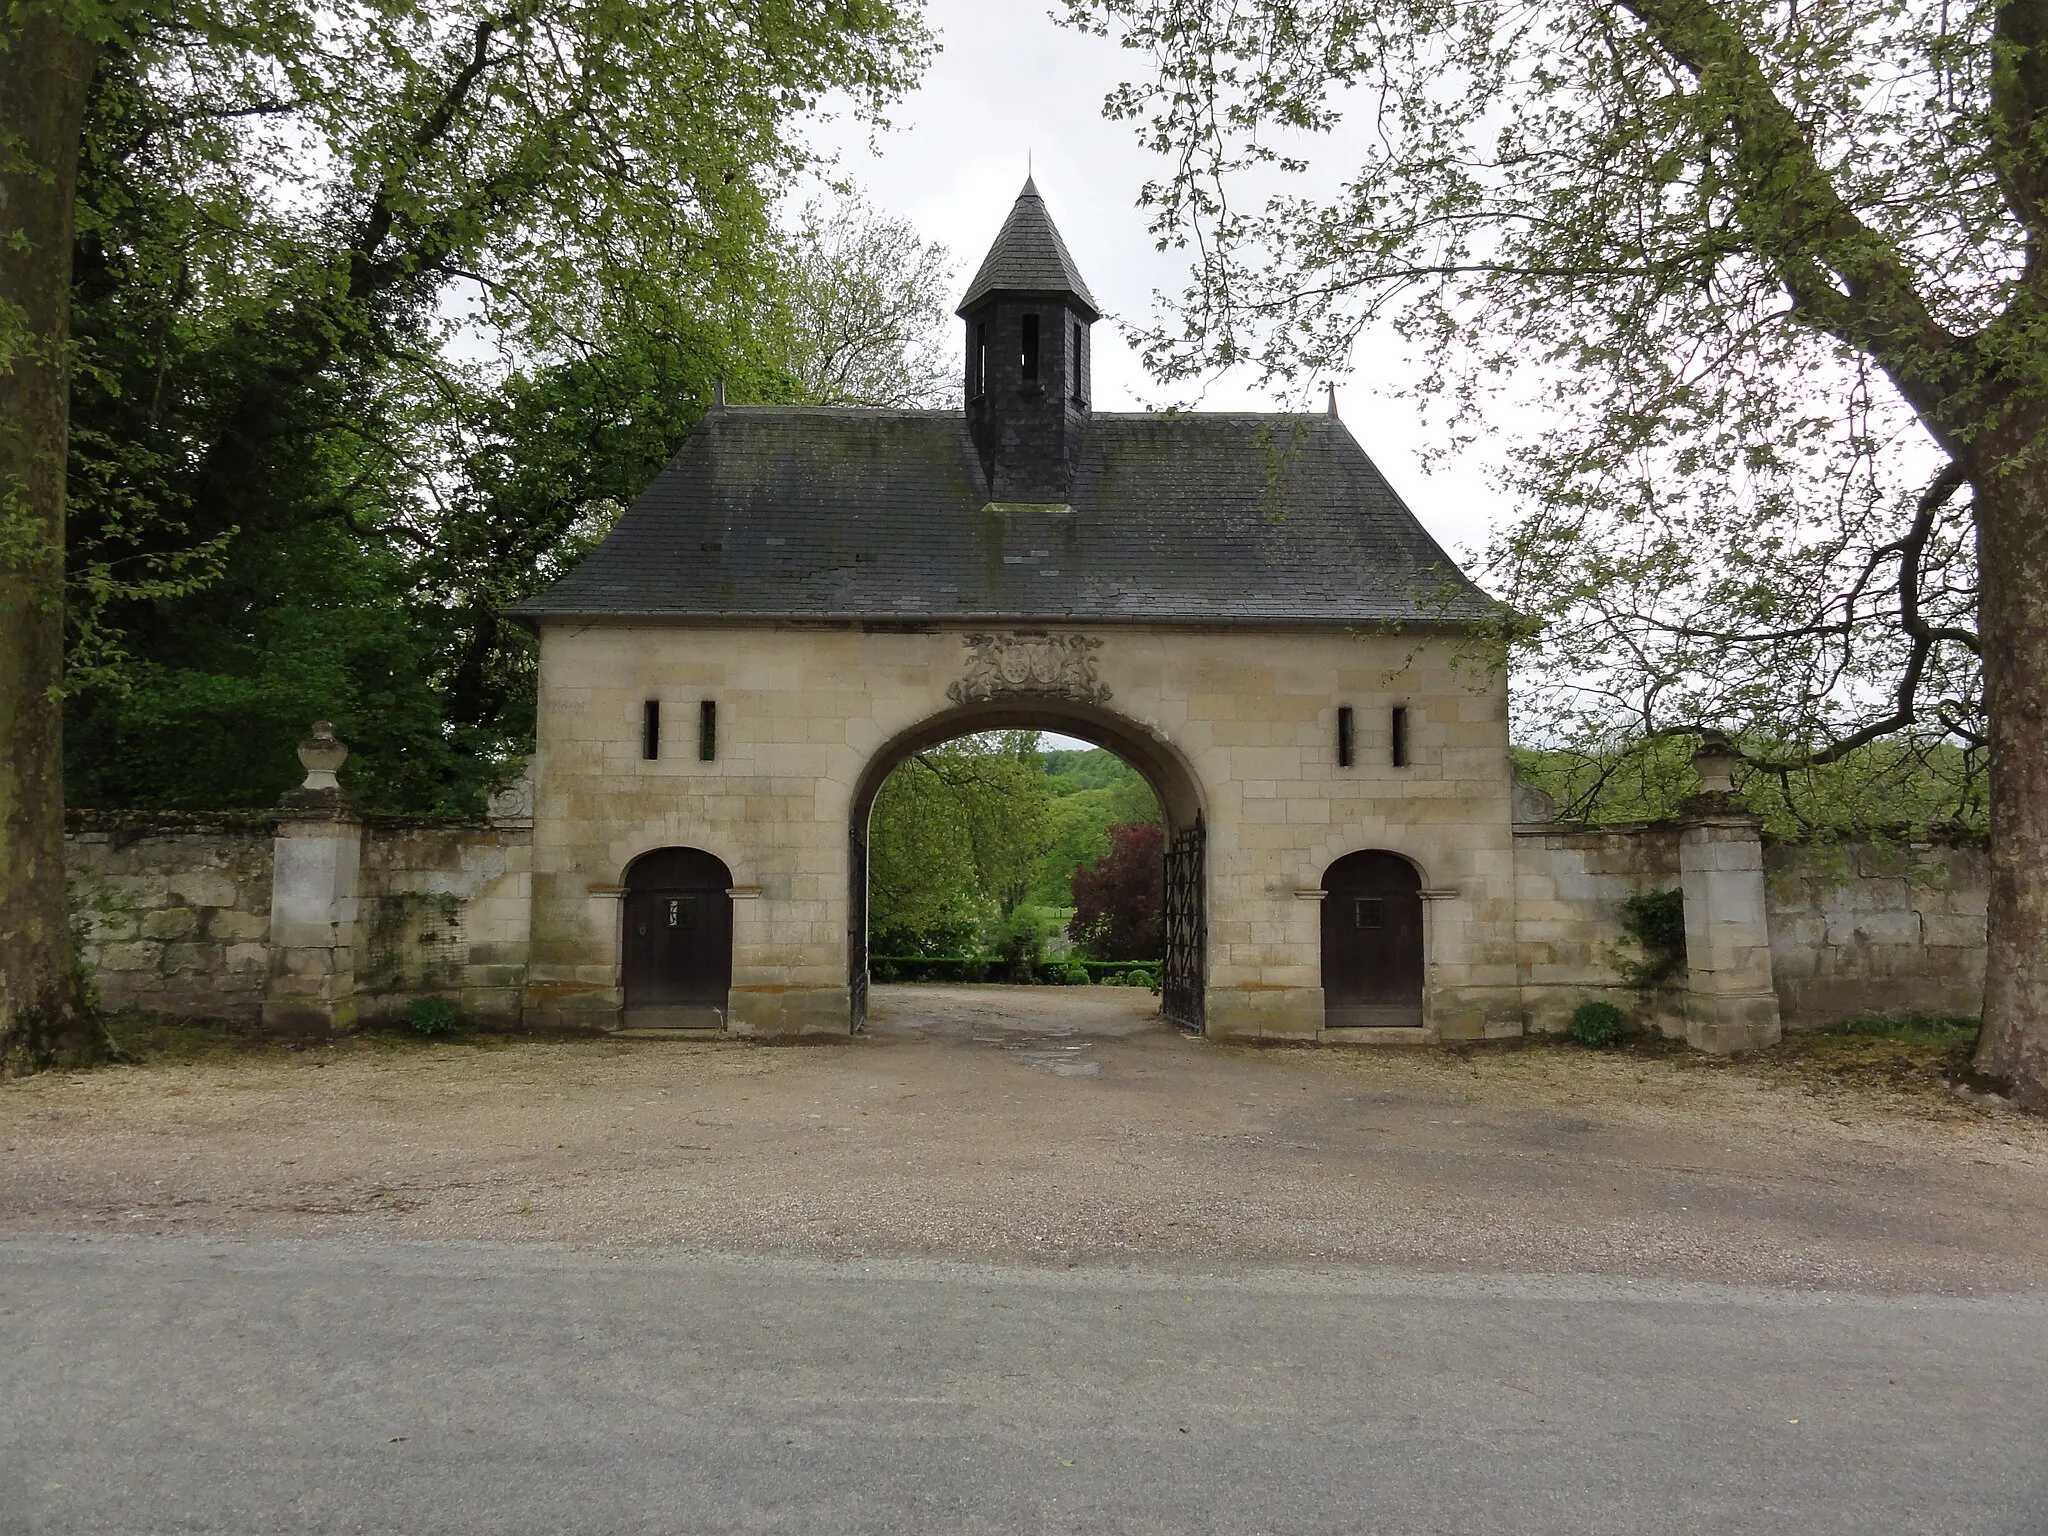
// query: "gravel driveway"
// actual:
[[1052, 1125]]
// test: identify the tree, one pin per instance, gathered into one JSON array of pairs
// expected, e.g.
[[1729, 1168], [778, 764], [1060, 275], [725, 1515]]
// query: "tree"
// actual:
[[865, 305], [278, 206], [1092, 792], [923, 896], [46, 61], [1775, 275], [957, 833], [380, 313], [1120, 901]]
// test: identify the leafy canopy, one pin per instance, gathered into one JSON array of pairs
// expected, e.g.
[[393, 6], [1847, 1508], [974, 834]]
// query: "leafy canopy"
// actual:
[[1737, 278], [381, 313]]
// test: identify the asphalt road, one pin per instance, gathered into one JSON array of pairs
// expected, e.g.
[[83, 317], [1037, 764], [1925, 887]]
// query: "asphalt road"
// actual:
[[178, 1385]]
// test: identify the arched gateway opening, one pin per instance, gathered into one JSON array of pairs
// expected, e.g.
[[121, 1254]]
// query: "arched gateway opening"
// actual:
[[1183, 968], [677, 963]]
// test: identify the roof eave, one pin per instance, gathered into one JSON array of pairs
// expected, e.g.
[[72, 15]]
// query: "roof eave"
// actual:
[[976, 299]]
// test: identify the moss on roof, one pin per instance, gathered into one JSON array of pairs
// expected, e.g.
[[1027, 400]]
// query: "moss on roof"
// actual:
[[837, 514]]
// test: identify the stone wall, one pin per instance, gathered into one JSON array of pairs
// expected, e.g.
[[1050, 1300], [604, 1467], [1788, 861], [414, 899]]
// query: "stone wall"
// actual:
[[444, 914], [1237, 727], [1570, 883], [1854, 927], [173, 912], [1868, 928], [179, 914]]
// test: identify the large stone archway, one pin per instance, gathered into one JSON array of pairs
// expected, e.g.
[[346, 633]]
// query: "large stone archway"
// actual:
[[1237, 729], [1173, 781]]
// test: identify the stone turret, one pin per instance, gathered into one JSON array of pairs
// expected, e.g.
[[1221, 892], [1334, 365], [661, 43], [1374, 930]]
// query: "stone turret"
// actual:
[[1028, 389]]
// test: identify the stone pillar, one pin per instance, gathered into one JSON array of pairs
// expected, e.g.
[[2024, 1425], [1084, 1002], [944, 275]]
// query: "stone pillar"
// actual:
[[1731, 998], [313, 913]]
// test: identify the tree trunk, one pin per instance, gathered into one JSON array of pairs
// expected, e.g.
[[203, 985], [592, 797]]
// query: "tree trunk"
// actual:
[[44, 72], [2012, 553]]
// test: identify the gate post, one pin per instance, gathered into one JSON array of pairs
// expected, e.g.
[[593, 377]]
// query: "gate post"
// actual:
[[316, 860], [1731, 997]]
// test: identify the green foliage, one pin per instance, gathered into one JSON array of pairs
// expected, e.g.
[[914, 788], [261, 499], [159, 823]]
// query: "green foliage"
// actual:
[[1901, 786], [381, 313], [1745, 277], [1598, 1024], [1912, 1027], [1019, 942], [431, 1016], [1656, 921], [1092, 792], [973, 846], [956, 834]]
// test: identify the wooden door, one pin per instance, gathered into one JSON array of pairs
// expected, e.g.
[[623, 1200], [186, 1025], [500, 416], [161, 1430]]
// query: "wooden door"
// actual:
[[677, 966], [1372, 942]]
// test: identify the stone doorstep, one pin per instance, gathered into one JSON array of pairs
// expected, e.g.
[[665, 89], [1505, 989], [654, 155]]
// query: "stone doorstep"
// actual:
[[679, 1033], [1378, 1034]]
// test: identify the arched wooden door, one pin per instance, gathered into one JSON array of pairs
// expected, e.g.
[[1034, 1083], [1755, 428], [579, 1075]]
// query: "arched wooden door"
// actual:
[[1372, 942], [677, 965]]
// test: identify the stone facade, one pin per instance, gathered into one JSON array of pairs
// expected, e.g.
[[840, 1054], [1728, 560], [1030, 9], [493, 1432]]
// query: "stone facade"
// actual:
[[1570, 883], [444, 914], [1238, 727], [306, 924], [173, 912], [1863, 928]]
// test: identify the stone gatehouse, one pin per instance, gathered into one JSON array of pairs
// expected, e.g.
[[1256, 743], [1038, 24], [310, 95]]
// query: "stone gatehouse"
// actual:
[[1239, 605]]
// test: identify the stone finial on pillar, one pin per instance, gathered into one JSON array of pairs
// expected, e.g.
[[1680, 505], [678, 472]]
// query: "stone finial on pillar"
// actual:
[[1731, 995], [321, 754], [1715, 761], [316, 858]]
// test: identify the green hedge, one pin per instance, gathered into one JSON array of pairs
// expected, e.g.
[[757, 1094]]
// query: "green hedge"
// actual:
[[962, 968], [932, 967]]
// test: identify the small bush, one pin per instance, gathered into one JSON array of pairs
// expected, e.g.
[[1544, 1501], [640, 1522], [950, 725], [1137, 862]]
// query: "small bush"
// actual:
[[432, 1015], [1598, 1024]]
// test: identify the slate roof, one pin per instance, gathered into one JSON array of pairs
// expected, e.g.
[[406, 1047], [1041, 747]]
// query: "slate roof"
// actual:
[[808, 512], [1028, 257]]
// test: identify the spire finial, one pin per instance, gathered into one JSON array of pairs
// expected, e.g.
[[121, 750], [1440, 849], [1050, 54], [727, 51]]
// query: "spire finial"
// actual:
[[1333, 399]]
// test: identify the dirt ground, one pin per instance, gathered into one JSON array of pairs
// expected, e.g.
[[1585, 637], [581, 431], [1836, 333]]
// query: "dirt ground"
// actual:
[[1062, 1125]]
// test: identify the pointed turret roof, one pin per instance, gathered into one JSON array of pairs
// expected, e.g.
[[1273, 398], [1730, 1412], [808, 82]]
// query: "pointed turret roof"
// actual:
[[1028, 257]]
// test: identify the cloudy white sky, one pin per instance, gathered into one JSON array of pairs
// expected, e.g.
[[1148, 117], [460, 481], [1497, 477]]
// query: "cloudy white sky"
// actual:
[[1010, 82]]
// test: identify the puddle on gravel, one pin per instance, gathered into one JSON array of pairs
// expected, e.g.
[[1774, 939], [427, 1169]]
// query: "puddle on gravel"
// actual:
[[1061, 1062]]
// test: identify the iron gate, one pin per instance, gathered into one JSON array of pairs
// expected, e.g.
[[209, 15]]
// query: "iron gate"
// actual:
[[857, 934], [1180, 978]]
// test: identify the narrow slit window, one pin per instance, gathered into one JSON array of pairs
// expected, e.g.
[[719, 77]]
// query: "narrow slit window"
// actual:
[[1344, 736], [1400, 737], [650, 729], [707, 730], [1030, 349], [1077, 363], [981, 359]]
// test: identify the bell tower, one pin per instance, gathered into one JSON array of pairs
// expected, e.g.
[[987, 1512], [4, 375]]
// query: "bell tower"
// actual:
[[1028, 316]]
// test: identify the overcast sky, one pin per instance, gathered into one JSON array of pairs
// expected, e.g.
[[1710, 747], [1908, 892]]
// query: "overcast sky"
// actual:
[[1010, 82]]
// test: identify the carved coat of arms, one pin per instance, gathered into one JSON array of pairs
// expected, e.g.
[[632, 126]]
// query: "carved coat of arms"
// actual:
[[1055, 666]]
